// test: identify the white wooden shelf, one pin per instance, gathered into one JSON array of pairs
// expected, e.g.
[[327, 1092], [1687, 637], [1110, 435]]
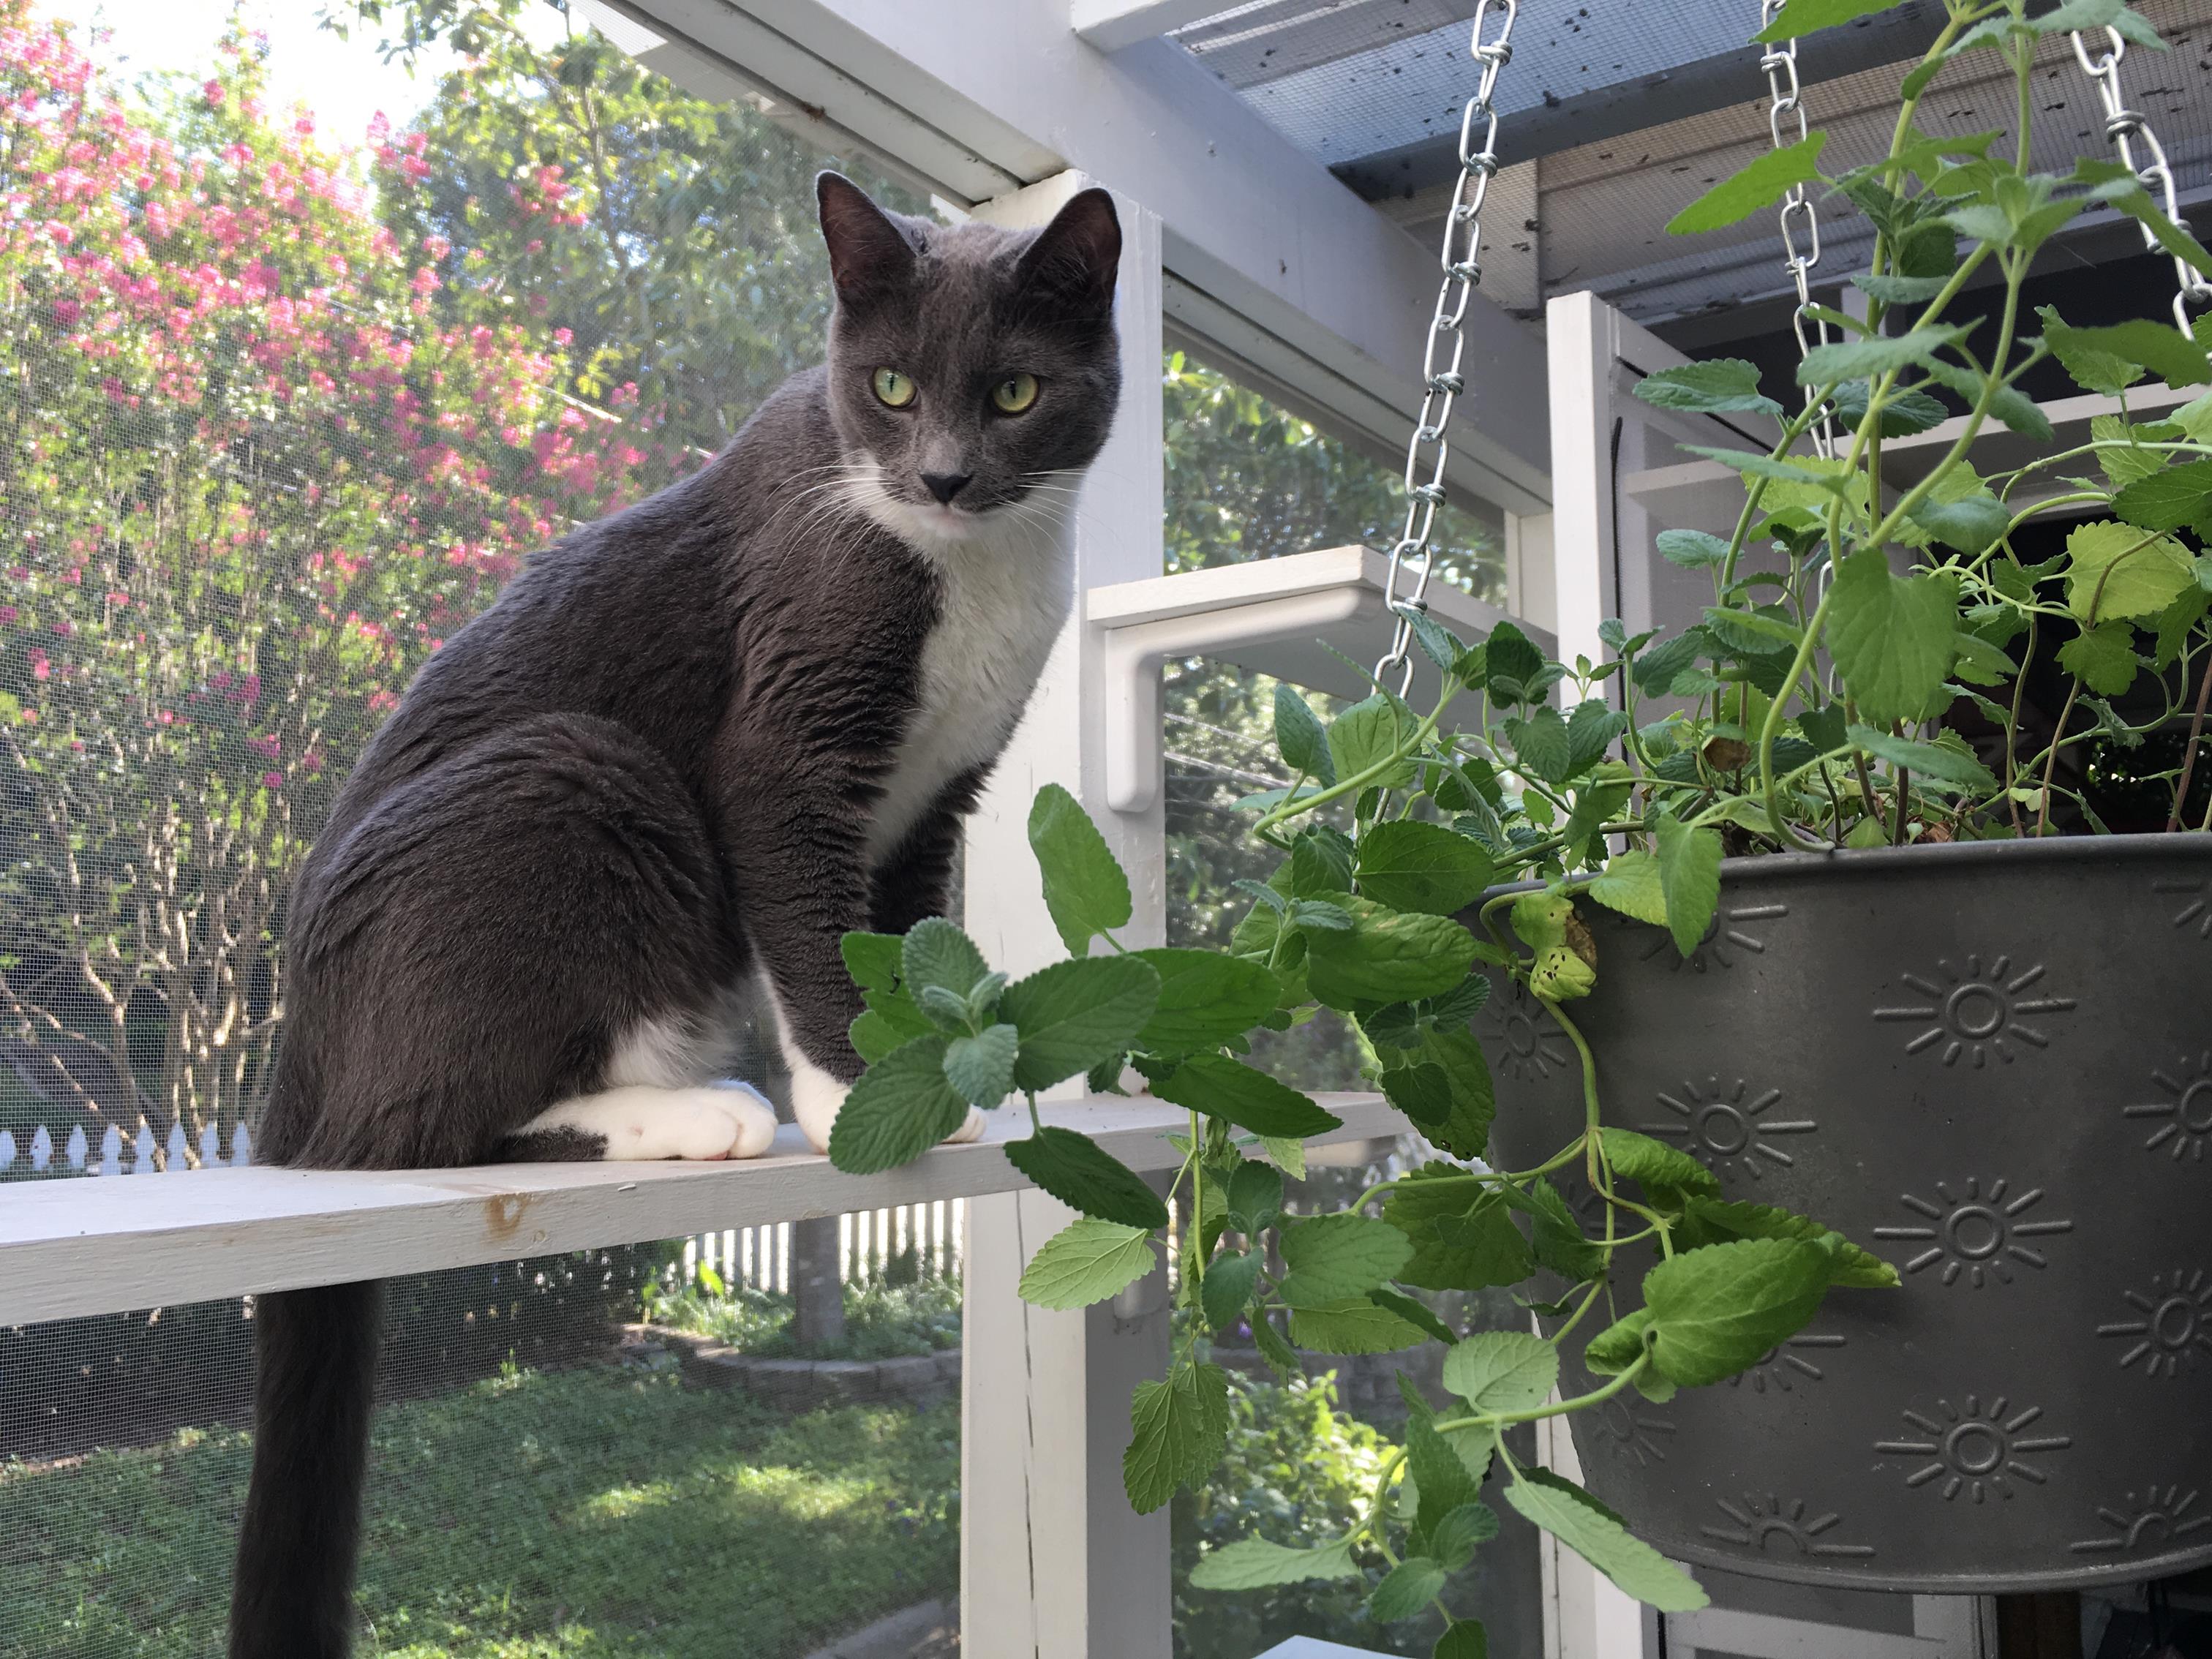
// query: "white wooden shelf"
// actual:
[[1280, 617], [95, 1245]]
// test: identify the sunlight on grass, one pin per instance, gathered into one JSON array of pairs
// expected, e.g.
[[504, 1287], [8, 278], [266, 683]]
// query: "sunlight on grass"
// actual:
[[578, 1516]]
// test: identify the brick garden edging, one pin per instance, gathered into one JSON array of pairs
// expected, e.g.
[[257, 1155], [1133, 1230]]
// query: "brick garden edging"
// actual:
[[800, 1385]]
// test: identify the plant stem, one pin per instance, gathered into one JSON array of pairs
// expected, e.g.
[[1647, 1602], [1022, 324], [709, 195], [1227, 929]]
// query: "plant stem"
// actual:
[[2189, 754], [1773, 723], [1535, 1414], [2050, 762]]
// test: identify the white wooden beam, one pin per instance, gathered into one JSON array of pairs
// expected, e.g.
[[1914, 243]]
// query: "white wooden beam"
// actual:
[[108, 1244], [1053, 1559], [1286, 616], [1110, 25], [1248, 220]]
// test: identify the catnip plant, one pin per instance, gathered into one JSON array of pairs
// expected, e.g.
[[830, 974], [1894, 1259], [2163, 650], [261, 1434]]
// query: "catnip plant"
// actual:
[[1433, 858]]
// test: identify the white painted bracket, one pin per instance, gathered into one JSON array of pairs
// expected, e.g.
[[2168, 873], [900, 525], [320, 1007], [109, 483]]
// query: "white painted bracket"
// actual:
[[1280, 617]]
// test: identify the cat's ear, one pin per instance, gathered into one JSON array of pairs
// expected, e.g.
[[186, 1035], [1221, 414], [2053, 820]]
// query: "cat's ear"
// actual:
[[867, 253], [1077, 255]]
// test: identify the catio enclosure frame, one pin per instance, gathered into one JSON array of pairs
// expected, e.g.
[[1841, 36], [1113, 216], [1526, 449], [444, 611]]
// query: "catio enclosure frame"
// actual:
[[1304, 283]]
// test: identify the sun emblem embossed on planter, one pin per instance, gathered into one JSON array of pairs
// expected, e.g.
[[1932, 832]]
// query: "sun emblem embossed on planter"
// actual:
[[2170, 1329], [1977, 1011], [1975, 1235], [1631, 1435], [1520, 1039], [1729, 1127], [2150, 1518], [1973, 1449], [1729, 938], [1756, 1523], [2182, 1122], [1780, 1368], [2194, 911]]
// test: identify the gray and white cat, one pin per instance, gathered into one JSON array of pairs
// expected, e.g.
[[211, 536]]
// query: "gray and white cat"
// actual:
[[688, 748]]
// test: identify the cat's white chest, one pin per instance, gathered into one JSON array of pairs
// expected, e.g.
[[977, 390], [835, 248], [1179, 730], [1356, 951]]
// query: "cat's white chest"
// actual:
[[1004, 598]]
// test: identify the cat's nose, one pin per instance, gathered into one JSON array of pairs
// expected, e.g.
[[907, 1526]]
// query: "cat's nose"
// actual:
[[946, 485]]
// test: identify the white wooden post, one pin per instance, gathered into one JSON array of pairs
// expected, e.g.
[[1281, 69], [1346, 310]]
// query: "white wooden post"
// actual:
[[1052, 1561]]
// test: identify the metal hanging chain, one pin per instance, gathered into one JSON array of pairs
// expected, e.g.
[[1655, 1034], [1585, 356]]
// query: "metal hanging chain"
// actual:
[[1405, 591], [2124, 127], [1798, 211]]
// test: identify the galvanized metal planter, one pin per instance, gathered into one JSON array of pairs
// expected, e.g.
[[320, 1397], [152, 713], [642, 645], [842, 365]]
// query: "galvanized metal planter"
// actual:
[[1992, 1065]]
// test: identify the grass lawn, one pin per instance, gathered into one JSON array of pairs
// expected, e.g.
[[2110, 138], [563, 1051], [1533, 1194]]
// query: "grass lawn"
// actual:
[[583, 1513]]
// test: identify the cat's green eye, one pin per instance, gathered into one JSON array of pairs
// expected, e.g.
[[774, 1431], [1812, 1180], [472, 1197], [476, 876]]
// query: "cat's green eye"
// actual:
[[893, 389], [1014, 394]]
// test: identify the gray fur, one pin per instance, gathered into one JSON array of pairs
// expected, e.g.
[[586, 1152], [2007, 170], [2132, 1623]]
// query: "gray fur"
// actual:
[[645, 777]]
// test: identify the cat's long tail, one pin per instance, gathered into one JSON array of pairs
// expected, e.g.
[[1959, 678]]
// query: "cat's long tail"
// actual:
[[315, 1352]]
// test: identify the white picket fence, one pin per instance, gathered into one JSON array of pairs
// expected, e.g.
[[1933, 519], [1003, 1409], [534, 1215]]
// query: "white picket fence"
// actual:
[[142, 1155], [867, 1242]]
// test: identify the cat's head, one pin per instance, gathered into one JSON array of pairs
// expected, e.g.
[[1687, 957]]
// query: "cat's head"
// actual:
[[975, 369]]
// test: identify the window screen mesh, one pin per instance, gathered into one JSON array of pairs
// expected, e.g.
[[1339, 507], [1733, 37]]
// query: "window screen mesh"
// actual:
[[282, 405]]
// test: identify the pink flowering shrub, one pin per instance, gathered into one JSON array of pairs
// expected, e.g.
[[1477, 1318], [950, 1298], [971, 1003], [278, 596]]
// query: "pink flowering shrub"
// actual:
[[251, 473]]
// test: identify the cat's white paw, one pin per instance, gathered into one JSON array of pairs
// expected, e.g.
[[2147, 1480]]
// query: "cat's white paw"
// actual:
[[971, 1129], [816, 1099], [642, 1124]]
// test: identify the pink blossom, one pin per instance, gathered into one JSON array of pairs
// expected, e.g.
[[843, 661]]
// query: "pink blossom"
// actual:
[[213, 90], [272, 781]]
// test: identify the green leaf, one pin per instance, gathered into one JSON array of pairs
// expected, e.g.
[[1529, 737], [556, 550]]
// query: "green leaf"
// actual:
[[1466, 1639], [1466, 1134], [2134, 28], [1692, 549], [1388, 955], [1334, 1257], [1658, 1167], [1075, 1169], [1256, 1564], [1422, 867], [937, 953], [2105, 657], [1413, 1313], [1407, 1591], [1893, 636], [1830, 481], [1710, 387], [1300, 736], [1178, 1428], [872, 959], [1712, 1221], [1229, 1089], [1590, 732], [1442, 1480], [1903, 413], [2116, 571], [981, 1068], [1367, 734], [2102, 358], [1619, 1346], [1074, 1015], [1971, 524], [1631, 884], [1439, 643], [1802, 17], [1256, 1197], [1875, 354], [1927, 761], [1087, 1262], [1502, 1371], [1509, 654], [1593, 1533], [1353, 1325], [1228, 1288], [1463, 1238], [1762, 184], [1452, 1542], [1320, 863], [1084, 887], [1893, 290], [1689, 875], [2012, 407], [900, 1108], [1715, 1310], [1556, 1236], [2178, 496], [1206, 999], [1422, 1092], [1540, 744]]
